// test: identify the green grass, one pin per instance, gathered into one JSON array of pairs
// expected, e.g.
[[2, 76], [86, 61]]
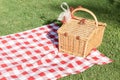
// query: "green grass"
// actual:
[[21, 15]]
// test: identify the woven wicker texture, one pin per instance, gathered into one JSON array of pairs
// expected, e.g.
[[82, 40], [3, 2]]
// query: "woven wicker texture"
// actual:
[[78, 36]]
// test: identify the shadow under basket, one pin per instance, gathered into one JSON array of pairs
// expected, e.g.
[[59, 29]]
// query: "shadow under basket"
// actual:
[[79, 36]]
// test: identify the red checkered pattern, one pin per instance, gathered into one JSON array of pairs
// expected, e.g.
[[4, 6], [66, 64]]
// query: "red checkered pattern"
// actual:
[[33, 55]]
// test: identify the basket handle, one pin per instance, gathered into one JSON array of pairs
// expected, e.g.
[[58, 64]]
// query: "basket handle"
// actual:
[[86, 10]]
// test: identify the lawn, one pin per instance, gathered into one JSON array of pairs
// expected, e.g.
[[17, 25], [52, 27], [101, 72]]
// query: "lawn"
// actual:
[[21, 15]]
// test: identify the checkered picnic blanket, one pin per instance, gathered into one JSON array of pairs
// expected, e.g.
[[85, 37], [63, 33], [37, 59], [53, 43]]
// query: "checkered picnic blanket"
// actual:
[[33, 55]]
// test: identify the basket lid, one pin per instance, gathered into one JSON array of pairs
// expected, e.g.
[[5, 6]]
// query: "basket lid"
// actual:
[[74, 28]]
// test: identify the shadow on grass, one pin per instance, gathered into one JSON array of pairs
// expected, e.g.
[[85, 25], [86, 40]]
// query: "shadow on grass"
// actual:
[[107, 13], [59, 23]]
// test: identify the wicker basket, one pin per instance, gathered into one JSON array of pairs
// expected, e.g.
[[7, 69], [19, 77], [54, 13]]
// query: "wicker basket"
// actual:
[[78, 36]]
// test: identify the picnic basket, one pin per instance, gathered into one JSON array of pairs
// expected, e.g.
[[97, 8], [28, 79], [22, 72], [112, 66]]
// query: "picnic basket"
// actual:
[[79, 36]]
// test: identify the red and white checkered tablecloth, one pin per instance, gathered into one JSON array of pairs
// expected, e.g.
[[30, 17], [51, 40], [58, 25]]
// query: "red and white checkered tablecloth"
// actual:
[[33, 55]]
